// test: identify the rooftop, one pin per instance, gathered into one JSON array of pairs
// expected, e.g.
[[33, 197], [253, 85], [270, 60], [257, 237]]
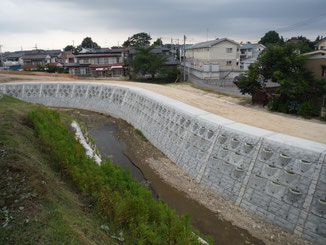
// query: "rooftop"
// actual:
[[211, 43]]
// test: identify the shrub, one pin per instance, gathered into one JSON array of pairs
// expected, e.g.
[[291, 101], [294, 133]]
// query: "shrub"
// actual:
[[307, 109], [169, 74]]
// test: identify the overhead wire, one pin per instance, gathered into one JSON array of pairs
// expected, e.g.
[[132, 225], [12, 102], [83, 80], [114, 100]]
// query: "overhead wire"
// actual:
[[302, 23]]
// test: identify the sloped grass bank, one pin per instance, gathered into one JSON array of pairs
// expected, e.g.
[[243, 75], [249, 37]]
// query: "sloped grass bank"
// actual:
[[37, 205], [126, 204]]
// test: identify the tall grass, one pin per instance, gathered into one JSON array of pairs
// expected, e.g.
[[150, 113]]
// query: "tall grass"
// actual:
[[127, 204]]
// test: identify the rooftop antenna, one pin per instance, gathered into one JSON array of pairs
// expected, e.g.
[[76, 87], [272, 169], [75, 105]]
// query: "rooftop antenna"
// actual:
[[207, 34], [35, 46]]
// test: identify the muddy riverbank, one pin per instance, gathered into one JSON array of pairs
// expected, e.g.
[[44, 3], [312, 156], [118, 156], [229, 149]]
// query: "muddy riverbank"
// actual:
[[210, 213]]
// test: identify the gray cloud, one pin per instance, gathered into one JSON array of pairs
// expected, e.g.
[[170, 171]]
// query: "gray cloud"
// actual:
[[234, 18]]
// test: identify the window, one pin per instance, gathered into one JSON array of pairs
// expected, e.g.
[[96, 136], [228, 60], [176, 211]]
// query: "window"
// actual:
[[229, 50], [323, 73], [229, 62]]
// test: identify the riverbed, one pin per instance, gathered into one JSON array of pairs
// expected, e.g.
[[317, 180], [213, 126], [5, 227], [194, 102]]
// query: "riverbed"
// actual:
[[118, 140]]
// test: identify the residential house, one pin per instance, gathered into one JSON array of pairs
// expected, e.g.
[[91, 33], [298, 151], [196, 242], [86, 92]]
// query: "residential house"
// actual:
[[246, 51], [13, 60], [316, 63], [255, 50], [224, 52], [66, 57], [321, 45], [34, 58], [99, 63], [182, 50], [53, 55]]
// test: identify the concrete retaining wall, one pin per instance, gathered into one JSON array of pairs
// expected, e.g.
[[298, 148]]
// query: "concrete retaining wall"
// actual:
[[279, 177]]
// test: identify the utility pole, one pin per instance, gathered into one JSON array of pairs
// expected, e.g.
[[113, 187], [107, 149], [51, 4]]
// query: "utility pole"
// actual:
[[184, 57], [73, 43], [1, 59]]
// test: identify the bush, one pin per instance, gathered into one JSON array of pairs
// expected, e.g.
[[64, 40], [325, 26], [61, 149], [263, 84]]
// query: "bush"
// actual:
[[127, 204], [169, 74], [307, 109]]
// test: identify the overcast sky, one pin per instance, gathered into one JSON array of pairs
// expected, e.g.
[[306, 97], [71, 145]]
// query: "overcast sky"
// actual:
[[53, 24]]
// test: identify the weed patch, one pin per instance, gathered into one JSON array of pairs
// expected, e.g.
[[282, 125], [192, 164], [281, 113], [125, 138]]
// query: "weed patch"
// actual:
[[127, 205]]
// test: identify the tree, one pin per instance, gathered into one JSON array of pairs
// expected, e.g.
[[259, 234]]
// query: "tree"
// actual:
[[69, 48], [88, 43], [147, 62], [158, 42], [139, 39], [271, 37], [283, 65]]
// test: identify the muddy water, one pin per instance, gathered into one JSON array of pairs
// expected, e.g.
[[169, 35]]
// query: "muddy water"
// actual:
[[116, 139]]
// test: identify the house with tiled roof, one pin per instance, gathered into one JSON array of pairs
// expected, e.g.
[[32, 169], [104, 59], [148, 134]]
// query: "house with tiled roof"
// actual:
[[34, 58], [99, 63], [66, 57]]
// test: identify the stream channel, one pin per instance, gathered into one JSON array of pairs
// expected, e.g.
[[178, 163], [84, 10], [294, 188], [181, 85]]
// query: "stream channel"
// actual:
[[117, 139]]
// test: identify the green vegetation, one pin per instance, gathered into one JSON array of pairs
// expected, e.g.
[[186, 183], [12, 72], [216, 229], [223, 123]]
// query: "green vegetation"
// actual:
[[271, 37], [147, 62], [126, 211], [37, 205], [138, 39], [140, 133], [128, 205], [298, 92]]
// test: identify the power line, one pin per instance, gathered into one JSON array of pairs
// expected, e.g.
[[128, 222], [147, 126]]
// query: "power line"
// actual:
[[302, 23]]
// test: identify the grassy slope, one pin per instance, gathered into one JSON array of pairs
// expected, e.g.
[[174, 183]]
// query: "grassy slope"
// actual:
[[38, 206]]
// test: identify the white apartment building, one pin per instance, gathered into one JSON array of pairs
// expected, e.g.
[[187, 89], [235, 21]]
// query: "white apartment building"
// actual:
[[223, 52]]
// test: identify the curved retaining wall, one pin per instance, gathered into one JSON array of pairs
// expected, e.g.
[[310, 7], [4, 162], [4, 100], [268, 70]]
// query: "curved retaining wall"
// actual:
[[279, 177]]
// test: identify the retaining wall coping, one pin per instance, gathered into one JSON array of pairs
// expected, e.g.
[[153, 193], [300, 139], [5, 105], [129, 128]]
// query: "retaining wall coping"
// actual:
[[247, 129], [212, 118], [297, 142]]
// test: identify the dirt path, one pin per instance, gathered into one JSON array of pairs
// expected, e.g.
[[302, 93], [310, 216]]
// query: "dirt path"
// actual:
[[228, 107], [233, 108]]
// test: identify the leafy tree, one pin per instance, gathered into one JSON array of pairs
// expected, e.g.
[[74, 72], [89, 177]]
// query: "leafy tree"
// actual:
[[169, 74], [271, 37], [147, 62], [116, 47], [69, 48], [283, 65], [139, 39], [158, 42], [88, 43]]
